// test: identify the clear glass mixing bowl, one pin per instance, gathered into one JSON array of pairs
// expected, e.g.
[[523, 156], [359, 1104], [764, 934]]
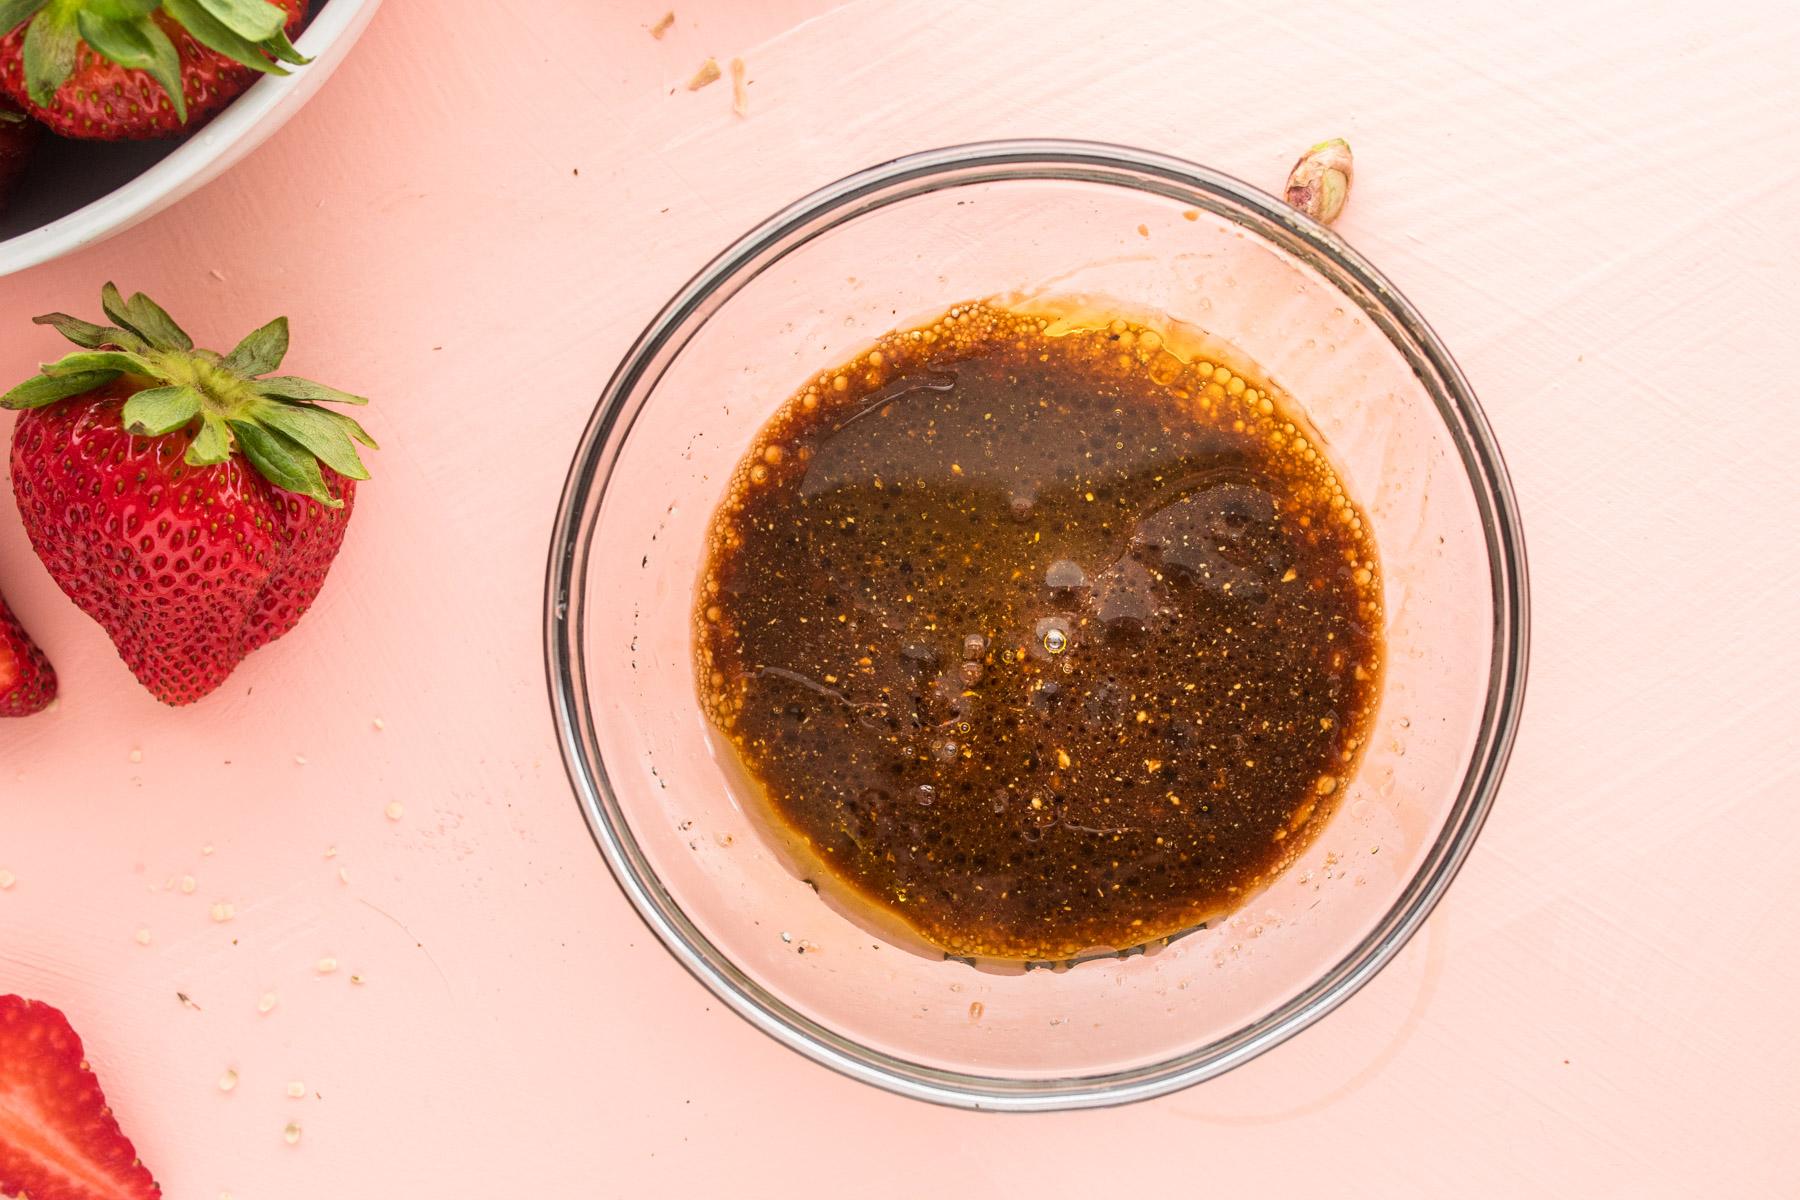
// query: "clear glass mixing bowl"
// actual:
[[888, 248]]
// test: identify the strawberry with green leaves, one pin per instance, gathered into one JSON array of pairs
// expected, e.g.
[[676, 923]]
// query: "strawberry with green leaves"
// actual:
[[114, 69], [188, 501], [27, 682], [58, 1138]]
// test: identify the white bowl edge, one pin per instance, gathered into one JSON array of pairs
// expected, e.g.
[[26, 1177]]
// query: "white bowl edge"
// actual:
[[236, 131]]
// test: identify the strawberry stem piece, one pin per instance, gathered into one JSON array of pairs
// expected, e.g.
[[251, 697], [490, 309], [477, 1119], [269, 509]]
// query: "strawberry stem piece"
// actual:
[[14, 13], [51, 42], [138, 44], [161, 410], [135, 35], [230, 403], [146, 318]]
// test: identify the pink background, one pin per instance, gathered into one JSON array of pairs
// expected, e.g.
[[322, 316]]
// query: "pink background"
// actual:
[[1594, 204]]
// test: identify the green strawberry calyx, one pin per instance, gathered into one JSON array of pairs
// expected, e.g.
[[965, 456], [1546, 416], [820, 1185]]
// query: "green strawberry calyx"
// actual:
[[129, 33], [230, 402]]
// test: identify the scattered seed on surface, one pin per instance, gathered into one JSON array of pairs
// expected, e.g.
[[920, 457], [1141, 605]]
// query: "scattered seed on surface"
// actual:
[[395, 810], [228, 1081], [357, 980], [291, 1135], [379, 724], [143, 936], [136, 755], [206, 850], [7, 879], [662, 25], [708, 73], [188, 885], [343, 874], [296, 1089], [267, 1002], [222, 912], [326, 966], [299, 760], [331, 852]]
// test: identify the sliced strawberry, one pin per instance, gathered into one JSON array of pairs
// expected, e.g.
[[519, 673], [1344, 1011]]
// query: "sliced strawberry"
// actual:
[[58, 1140], [27, 682]]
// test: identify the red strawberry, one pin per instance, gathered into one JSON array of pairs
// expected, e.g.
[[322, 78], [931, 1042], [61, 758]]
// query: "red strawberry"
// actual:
[[18, 137], [27, 681], [113, 69], [189, 502], [58, 1140]]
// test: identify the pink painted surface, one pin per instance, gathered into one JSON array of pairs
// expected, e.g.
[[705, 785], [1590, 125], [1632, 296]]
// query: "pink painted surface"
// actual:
[[1592, 206]]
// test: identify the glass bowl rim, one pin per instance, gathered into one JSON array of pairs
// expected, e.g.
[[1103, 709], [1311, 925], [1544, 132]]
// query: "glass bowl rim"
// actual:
[[868, 191]]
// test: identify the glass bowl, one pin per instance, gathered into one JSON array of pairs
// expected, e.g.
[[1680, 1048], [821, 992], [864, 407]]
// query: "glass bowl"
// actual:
[[889, 248]]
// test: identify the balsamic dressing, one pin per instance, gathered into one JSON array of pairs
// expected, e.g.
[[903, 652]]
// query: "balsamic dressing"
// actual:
[[1041, 638]]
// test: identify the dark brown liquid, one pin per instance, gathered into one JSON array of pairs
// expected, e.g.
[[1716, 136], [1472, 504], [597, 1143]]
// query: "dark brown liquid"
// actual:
[[1041, 640]]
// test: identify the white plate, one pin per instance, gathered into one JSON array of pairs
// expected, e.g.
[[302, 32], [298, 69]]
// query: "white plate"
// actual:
[[77, 193]]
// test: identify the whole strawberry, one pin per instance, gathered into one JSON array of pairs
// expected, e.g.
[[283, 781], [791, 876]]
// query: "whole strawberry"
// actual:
[[114, 69], [27, 682], [189, 502]]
